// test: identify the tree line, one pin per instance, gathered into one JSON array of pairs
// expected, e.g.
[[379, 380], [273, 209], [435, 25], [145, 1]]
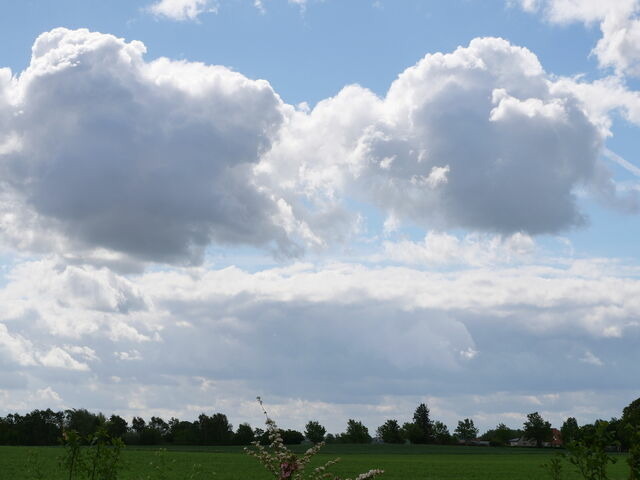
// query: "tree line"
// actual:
[[47, 427]]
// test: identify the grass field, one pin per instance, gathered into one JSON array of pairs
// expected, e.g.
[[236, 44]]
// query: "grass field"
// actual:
[[406, 462]]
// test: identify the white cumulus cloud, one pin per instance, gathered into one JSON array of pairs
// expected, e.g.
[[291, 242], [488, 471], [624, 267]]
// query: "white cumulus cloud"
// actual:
[[110, 159], [152, 160], [182, 10], [479, 138], [619, 23]]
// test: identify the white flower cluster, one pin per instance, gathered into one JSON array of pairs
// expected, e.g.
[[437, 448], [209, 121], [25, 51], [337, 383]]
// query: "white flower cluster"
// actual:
[[286, 465]]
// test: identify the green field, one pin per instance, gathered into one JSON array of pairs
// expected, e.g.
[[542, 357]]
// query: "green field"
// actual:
[[402, 462]]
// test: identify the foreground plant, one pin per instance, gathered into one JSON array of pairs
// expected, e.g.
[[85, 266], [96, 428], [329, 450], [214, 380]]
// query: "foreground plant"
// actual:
[[634, 456], [589, 455], [99, 460], [283, 464], [554, 468], [34, 467]]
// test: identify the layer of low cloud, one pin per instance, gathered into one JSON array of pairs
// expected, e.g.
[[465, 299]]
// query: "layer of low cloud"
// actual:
[[323, 340], [444, 249]]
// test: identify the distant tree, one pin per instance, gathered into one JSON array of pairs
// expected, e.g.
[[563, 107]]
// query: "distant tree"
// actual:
[[537, 429], [390, 432], [466, 430], [631, 414], [159, 425], [184, 432], [421, 418], [7, 431], [244, 435], [83, 421], [618, 433], [138, 424], [441, 433], [291, 437], [412, 433], [629, 423], [153, 433], [314, 431], [356, 432], [570, 431], [330, 438], [39, 427], [500, 435], [116, 426], [215, 430]]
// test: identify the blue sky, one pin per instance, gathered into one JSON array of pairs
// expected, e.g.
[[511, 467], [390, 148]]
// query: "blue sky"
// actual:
[[346, 207]]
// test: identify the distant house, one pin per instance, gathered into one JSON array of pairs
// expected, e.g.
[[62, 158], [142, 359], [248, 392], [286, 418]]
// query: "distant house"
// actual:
[[480, 443], [474, 443], [556, 440], [522, 442]]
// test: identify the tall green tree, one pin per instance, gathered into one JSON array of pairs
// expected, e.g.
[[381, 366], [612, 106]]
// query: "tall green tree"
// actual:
[[631, 413], [441, 433], [466, 430], [83, 421], [421, 419], [138, 424], [537, 428], [40, 427], [244, 435], [117, 426], [357, 432], [412, 433], [314, 431], [629, 423], [215, 430], [390, 432], [291, 437], [570, 431], [184, 432]]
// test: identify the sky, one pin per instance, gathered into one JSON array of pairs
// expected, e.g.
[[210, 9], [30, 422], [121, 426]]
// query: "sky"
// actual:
[[344, 207]]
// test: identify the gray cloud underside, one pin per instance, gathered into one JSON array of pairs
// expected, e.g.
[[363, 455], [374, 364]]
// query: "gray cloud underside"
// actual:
[[105, 154], [332, 337]]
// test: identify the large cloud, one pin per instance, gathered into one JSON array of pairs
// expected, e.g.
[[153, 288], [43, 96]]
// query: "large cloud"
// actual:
[[108, 158], [477, 138], [150, 159]]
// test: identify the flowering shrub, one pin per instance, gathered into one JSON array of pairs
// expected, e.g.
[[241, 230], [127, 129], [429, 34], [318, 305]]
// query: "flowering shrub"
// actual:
[[283, 464]]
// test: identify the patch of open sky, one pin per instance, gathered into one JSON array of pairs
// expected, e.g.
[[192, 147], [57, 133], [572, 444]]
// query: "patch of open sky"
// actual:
[[6, 264], [307, 56], [249, 259], [609, 233], [625, 142], [8, 261]]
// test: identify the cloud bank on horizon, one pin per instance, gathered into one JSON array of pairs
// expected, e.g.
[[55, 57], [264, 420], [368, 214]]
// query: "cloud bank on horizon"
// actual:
[[121, 174]]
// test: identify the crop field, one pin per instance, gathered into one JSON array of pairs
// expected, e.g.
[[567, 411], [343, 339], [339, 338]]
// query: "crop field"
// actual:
[[404, 462]]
